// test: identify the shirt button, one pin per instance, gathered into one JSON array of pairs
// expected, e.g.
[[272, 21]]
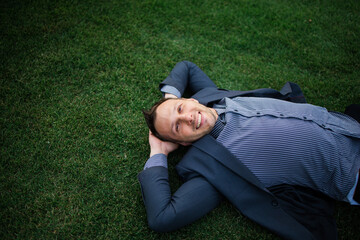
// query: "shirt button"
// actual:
[[236, 110], [305, 118], [258, 113], [274, 203]]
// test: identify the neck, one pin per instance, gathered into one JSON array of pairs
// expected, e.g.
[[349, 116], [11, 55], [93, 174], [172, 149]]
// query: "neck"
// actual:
[[215, 113]]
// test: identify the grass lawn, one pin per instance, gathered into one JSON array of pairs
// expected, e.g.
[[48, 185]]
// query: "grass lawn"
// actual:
[[76, 74]]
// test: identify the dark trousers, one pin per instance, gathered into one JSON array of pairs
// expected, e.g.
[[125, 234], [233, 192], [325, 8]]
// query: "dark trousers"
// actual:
[[353, 111]]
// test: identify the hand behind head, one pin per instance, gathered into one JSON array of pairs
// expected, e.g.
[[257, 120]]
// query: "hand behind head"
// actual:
[[158, 146]]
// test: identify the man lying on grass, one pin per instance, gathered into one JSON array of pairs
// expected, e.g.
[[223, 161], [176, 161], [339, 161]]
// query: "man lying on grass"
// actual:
[[280, 161]]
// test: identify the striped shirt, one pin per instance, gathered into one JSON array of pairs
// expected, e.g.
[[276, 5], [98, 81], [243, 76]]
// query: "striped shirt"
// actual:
[[298, 144]]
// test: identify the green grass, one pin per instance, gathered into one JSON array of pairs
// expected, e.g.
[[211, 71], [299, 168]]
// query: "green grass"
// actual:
[[75, 75]]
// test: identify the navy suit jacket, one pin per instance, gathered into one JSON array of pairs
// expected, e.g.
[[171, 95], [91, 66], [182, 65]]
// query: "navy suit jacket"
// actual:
[[210, 172]]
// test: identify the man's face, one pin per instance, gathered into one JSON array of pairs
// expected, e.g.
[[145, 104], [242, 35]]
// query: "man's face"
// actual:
[[184, 120]]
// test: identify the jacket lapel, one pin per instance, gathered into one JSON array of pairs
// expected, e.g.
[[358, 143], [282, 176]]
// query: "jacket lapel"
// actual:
[[210, 146]]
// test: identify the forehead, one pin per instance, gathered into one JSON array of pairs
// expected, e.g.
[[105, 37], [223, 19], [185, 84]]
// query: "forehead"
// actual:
[[163, 119], [166, 109]]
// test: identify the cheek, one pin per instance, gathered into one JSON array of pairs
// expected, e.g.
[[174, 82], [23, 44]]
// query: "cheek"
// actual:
[[186, 131]]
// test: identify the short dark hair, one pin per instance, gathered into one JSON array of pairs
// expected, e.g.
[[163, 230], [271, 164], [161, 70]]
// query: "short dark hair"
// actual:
[[150, 117]]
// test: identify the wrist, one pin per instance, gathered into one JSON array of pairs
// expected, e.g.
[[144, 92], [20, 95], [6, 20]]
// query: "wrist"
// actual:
[[154, 152], [170, 95]]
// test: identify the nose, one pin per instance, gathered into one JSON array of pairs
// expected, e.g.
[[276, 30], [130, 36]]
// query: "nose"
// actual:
[[187, 118]]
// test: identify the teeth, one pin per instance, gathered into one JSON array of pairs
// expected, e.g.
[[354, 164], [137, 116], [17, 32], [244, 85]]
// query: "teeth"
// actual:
[[199, 121]]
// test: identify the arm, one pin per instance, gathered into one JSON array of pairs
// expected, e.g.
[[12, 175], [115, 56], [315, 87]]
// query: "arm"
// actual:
[[187, 76], [166, 212]]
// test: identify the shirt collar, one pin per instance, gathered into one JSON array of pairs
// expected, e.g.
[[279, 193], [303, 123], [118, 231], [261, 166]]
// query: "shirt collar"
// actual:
[[219, 124]]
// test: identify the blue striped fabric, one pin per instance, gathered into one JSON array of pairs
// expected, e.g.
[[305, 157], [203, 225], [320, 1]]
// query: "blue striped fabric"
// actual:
[[298, 144]]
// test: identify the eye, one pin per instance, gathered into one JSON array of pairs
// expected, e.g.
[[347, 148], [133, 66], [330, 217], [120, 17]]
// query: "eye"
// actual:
[[177, 127], [180, 108]]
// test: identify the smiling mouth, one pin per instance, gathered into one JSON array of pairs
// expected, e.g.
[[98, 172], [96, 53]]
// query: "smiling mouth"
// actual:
[[199, 121]]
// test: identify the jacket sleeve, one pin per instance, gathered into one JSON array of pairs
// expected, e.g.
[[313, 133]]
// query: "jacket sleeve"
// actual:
[[167, 212], [187, 77]]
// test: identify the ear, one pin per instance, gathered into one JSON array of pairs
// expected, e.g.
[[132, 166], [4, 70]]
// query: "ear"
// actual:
[[185, 143], [193, 99]]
